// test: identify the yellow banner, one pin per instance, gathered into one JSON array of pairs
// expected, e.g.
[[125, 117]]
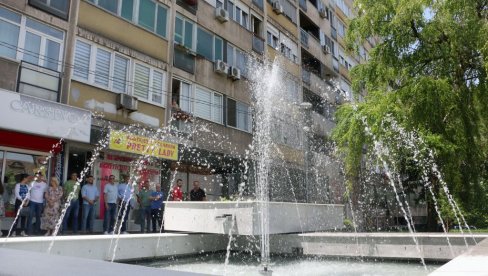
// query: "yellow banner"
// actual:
[[126, 142]]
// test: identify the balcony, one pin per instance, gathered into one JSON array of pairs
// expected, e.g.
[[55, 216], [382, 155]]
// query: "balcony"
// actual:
[[182, 123], [257, 44], [39, 82]]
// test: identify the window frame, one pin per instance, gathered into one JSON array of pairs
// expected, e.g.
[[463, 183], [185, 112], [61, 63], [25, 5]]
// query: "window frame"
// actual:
[[212, 104], [135, 14], [151, 79], [249, 115], [130, 74], [194, 32], [20, 47]]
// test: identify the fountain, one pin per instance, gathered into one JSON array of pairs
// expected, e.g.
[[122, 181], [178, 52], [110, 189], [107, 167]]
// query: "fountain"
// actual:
[[268, 178]]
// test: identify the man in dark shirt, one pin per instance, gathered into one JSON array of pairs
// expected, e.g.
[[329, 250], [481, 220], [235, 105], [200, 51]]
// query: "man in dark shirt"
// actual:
[[197, 194]]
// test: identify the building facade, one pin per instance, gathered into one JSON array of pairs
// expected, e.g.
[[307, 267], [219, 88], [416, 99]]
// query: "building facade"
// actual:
[[74, 72]]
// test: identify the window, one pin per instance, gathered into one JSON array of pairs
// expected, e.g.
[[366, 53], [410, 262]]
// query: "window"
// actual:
[[42, 45], [184, 32], [237, 58], [341, 28], [208, 105], [149, 84], [57, 7], [238, 115], [101, 67], [272, 40], [110, 70], [239, 13], [148, 14], [208, 45], [289, 10]]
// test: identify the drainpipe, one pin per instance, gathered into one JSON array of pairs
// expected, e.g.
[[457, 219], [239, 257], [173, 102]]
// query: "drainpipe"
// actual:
[[69, 51]]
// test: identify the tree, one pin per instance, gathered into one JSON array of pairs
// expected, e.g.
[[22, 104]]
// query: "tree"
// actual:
[[427, 73]]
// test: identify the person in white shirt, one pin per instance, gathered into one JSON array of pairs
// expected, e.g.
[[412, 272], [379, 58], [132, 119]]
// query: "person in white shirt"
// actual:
[[110, 197], [36, 203]]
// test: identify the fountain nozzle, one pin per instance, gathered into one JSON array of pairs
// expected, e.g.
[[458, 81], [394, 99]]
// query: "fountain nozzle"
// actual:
[[266, 271]]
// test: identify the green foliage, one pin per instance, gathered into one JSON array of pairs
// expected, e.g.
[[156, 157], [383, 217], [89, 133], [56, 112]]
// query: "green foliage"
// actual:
[[429, 73]]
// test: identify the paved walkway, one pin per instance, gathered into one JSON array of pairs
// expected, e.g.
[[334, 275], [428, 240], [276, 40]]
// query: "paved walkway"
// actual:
[[26, 263], [472, 263]]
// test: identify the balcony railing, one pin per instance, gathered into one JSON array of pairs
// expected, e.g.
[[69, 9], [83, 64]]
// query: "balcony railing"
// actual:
[[258, 44], [39, 82], [304, 37], [303, 4], [182, 122]]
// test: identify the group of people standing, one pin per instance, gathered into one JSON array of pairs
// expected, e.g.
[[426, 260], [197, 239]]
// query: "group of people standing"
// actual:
[[37, 200]]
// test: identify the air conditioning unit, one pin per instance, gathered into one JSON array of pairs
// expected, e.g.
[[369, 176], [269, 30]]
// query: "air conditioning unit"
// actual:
[[221, 14], [277, 7], [234, 73], [220, 67], [127, 102], [323, 12], [326, 49]]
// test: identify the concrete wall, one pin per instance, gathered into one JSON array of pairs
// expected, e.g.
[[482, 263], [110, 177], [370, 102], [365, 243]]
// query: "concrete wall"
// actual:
[[215, 217], [130, 247], [433, 246]]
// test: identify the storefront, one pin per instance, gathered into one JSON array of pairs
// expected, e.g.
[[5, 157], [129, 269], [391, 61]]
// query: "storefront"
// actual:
[[32, 135]]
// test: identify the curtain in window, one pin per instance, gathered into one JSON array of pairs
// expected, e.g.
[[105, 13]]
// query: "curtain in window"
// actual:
[[82, 60], [242, 116], [203, 104], [217, 108], [102, 67], [157, 88], [121, 66], [185, 96], [141, 81]]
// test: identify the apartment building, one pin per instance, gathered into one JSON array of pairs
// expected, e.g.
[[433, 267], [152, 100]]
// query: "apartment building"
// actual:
[[72, 68]]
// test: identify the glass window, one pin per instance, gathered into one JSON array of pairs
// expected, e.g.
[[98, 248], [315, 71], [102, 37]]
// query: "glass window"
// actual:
[[230, 10], [9, 15], [245, 19], [121, 66], [109, 5], [179, 30], [185, 96], [51, 60], [127, 9], [147, 14], [157, 87], [141, 81], [32, 48], [217, 108], [188, 35], [218, 49], [243, 116], [9, 39], [162, 19], [231, 113], [204, 44], [38, 26], [203, 103], [238, 15], [82, 60], [102, 67], [230, 55]]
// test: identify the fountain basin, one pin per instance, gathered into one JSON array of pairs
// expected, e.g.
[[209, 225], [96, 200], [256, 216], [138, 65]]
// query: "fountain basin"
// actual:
[[285, 217]]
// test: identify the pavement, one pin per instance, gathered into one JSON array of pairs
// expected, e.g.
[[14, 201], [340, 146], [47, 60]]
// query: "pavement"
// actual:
[[472, 263], [27, 263]]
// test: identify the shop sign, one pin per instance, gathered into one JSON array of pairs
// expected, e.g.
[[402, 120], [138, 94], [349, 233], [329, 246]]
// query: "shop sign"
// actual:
[[33, 115], [127, 142]]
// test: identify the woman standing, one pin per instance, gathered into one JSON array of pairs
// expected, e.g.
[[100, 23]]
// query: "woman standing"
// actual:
[[22, 202], [52, 210], [2, 207]]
